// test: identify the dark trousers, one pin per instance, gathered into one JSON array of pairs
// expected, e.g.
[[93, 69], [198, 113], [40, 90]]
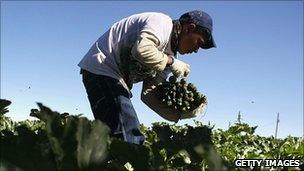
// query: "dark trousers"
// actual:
[[111, 104]]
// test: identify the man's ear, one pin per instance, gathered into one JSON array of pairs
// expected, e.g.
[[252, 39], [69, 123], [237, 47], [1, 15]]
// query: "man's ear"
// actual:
[[191, 27]]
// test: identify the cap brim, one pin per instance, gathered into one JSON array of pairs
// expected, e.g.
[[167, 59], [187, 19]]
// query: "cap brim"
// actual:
[[209, 44]]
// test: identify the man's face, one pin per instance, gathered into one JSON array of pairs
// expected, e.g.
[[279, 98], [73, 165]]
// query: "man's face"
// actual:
[[190, 40]]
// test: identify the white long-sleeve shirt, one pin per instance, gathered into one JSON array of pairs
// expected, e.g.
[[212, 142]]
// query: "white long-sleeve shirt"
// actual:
[[137, 45]]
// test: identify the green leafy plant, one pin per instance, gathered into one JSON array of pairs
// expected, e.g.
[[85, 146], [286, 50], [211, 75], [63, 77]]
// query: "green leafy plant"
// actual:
[[60, 141]]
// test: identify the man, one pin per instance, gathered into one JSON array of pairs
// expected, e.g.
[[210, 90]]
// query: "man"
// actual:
[[137, 48]]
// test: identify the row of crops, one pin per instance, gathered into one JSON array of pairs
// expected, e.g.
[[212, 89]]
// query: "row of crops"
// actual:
[[60, 141]]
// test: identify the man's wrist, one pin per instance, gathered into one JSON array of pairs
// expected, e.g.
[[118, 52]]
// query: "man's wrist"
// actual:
[[171, 60]]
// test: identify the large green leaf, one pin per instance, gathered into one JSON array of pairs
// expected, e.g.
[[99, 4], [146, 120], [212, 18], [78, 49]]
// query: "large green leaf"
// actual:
[[93, 139], [3, 106]]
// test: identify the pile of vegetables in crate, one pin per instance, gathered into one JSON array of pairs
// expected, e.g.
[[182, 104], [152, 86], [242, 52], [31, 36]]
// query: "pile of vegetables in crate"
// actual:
[[174, 99], [180, 95]]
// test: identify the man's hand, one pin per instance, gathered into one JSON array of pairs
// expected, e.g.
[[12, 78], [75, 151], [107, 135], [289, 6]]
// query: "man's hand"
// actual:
[[180, 68]]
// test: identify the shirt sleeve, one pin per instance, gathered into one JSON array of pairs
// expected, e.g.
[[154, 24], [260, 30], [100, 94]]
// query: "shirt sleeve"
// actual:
[[146, 52]]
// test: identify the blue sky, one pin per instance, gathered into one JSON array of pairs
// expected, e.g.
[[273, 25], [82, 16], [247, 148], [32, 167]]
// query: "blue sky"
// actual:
[[257, 67]]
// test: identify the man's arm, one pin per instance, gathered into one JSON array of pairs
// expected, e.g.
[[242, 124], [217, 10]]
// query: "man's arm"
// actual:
[[145, 51]]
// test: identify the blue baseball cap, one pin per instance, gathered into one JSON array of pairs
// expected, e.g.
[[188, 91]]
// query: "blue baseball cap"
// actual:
[[204, 21]]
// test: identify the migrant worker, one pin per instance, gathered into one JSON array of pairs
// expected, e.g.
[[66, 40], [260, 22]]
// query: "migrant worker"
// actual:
[[134, 49]]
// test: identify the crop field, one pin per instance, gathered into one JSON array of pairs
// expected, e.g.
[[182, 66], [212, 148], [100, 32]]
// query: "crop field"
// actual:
[[62, 141]]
